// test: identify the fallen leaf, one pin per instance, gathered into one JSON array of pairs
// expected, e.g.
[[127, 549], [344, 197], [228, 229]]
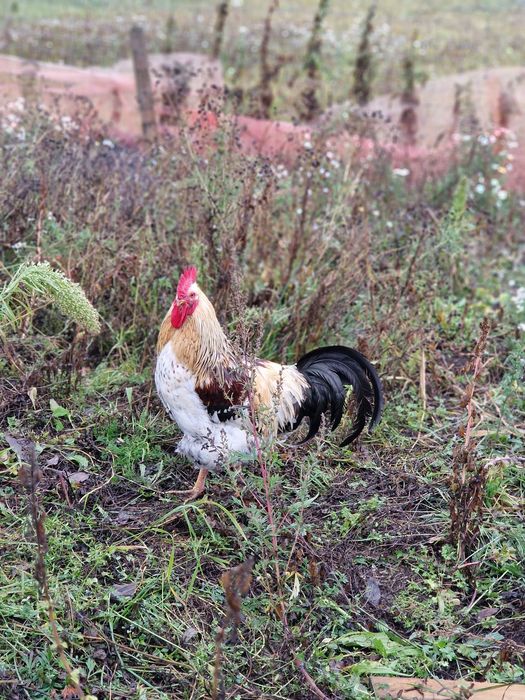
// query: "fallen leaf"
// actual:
[[372, 592], [123, 517], [32, 395], [99, 653], [296, 587], [487, 612], [188, 634], [77, 478], [29, 474], [120, 591], [52, 462], [19, 445]]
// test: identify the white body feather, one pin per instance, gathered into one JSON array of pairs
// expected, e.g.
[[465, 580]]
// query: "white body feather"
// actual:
[[206, 441]]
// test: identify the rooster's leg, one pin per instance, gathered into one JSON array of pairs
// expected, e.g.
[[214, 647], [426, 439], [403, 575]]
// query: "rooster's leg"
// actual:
[[198, 487]]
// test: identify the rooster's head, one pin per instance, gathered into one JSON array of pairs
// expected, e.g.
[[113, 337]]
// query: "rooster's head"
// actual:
[[187, 298]]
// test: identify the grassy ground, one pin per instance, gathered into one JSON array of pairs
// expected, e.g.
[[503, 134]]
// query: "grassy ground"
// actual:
[[368, 576], [356, 572]]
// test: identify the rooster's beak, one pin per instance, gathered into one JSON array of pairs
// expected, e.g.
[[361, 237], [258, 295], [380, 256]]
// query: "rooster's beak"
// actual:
[[180, 302]]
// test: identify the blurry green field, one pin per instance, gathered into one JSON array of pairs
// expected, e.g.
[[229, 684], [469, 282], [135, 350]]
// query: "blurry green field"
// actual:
[[445, 37]]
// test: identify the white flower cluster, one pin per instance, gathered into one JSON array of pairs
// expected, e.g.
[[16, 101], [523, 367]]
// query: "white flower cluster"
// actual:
[[401, 172], [502, 166], [519, 299], [280, 171], [11, 119], [66, 124]]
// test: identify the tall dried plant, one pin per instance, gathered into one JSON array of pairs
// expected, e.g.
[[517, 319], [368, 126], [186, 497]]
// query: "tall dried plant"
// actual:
[[469, 477]]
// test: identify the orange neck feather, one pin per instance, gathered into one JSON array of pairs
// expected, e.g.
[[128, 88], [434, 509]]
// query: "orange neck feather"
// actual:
[[200, 344]]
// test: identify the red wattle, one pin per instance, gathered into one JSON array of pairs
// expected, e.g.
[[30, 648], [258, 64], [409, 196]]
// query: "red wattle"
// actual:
[[179, 314]]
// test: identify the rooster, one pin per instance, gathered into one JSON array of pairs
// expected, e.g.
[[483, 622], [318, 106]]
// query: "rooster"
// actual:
[[204, 386]]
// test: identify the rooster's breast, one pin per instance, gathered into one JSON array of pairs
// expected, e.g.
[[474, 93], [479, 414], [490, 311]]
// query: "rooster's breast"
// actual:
[[176, 389]]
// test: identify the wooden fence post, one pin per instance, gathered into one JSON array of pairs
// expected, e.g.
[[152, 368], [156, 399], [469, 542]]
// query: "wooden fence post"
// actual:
[[222, 14], [143, 83]]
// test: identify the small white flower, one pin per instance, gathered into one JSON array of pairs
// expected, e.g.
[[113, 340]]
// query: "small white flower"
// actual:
[[299, 211], [521, 327], [401, 172], [389, 224], [502, 194], [108, 143], [308, 145], [480, 188]]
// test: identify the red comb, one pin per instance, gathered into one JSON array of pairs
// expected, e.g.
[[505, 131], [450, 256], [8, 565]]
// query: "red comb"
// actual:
[[188, 277]]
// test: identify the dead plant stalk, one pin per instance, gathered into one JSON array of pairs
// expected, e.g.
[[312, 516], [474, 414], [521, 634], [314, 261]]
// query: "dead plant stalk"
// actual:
[[468, 478], [29, 477]]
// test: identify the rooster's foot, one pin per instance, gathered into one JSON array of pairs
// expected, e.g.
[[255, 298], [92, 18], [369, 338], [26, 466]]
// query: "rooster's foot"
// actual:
[[191, 494], [198, 488]]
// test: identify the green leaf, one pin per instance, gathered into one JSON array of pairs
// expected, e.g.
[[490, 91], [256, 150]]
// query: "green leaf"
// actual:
[[74, 676], [366, 667], [79, 459], [57, 410], [381, 642]]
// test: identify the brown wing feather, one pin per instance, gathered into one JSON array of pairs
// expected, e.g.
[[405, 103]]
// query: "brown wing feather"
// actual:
[[222, 397]]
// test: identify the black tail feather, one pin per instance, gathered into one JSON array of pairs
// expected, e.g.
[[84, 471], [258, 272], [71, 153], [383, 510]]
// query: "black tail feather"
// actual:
[[329, 371]]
